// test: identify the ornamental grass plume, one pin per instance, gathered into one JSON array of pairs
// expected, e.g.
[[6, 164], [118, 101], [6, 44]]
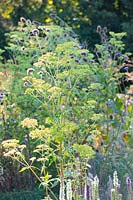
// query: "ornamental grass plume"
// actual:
[[115, 179]]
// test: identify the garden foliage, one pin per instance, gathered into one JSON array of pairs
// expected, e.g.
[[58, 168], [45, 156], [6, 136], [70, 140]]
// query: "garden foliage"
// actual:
[[64, 108]]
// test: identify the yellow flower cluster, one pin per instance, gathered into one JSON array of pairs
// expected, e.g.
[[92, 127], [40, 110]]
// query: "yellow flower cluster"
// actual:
[[55, 91], [1, 74], [38, 84], [29, 91], [29, 123], [27, 78], [13, 143], [12, 147], [37, 133]]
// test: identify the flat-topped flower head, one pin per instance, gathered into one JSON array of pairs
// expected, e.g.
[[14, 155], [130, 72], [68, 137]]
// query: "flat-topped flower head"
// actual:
[[29, 123]]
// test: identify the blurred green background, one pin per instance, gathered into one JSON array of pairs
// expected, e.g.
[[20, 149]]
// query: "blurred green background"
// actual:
[[82, 15]]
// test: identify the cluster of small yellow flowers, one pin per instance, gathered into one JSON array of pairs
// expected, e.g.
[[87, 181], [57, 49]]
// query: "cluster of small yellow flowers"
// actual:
[[1, 74], [3, 112], [37, 133], [12, 147], [39, 64], [55, 91], [13, 143], [2, 109], [48, 120], [29, 123], [38, 84], [29, 91], [69, 127], [27, 81], [27, 78]]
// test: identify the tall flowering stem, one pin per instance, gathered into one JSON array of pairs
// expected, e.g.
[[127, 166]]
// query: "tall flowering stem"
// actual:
[[95, 189], [129, 188], [62, 190], [87, 191], [69, 190], [115, 191]]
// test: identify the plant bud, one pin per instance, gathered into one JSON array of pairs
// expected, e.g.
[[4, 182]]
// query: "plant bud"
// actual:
[[99, 29], [23, 20]]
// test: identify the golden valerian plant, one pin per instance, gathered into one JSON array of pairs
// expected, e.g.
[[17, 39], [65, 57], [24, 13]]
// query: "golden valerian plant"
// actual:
[[74, 106]]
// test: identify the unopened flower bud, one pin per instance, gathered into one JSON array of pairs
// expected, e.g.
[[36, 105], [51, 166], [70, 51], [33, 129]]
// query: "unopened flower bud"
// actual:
[[99, 29], [128, 181], [30, 71], [23, 20], [28, 21], [105, 29], [35, 32]]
